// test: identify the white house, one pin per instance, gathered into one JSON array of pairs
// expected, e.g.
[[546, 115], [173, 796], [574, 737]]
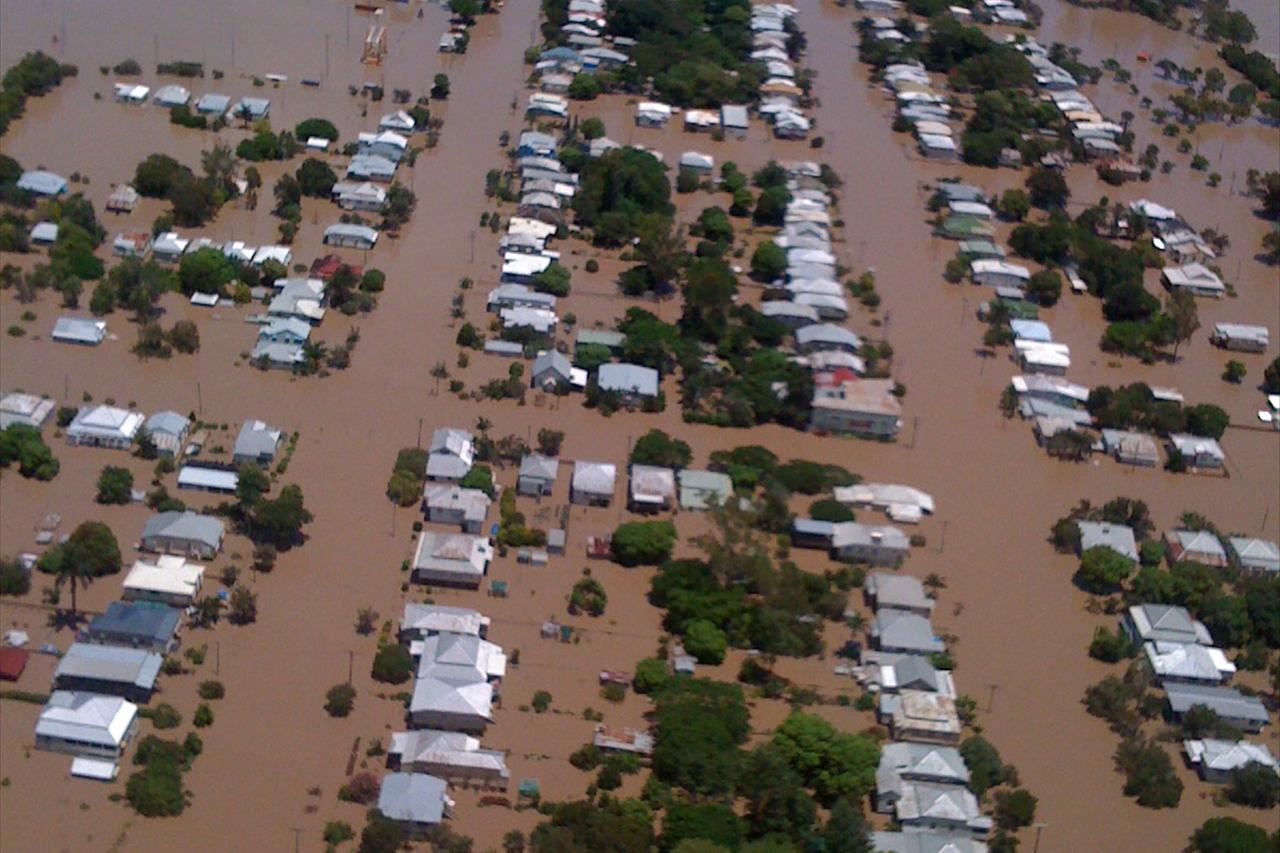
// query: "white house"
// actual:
[[450, 454], [169, 580], [593, 483], [1196, 278], [446, 503], [451, 559], [25, 409], [105, 426], [86, 724]]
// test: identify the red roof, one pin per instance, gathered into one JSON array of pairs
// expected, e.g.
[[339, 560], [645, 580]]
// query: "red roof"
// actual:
[[12, 663], [836, 376], [324, 268]]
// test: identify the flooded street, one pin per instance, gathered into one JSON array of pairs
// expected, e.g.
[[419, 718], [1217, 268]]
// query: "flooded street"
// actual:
[[1022, 627]]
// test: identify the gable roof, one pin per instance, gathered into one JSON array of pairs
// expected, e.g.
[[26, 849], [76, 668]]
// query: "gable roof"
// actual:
[[86, 717], [539, 467], [110, 663], [1117, 537], [257, 439], [412, 797], [1167, 622], [597, 478], [205, 529]]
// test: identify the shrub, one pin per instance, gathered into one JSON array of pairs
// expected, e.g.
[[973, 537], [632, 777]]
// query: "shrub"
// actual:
[[165, 716], [14, 579], [203, 716], [1149, 774], [1102, 570], [337, 831], [362, 788], [340, 699], [1110, 646], [541, 701], [1228, 835], [829, 509], [392, 664], [211, 690], [589, 596], [1015, 809], [156, 790], [115, 485], [588, 757]]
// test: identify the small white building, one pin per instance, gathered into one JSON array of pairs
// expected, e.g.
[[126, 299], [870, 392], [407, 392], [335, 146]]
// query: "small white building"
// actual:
[[105, 426], [451, 559], [24, 409], [1196, 278], [169, 580], [86, 724]]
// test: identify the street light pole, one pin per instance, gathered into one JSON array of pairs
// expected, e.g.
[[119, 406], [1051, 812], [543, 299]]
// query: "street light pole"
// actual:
[[1039, 828]]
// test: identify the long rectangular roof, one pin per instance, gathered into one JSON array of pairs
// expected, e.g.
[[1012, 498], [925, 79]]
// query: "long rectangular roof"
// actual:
[[87, 718], [110, 663]]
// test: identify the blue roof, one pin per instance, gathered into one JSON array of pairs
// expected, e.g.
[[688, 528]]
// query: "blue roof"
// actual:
[[813, 527], [148, 621]]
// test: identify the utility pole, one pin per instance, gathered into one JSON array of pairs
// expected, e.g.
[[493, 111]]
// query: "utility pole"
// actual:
[[217, 657], [199, 399], [991, 696], [1039, 828], [420, 422], [351, 662], [297, 832], [943, 542]]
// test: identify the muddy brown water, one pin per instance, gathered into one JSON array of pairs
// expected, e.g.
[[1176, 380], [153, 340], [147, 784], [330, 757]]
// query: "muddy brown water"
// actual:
[[1022, 627]]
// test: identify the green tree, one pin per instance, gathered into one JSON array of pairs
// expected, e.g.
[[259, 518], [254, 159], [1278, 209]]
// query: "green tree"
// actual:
[[986, 769], [705, 641], [251, 484], [591, 128], [1254, 785], [1047, 188], [1014, 205], [316, 178], [308, 128], [1103, 570], [23, 444], [244, 606], [392, 664], [1185, 316], [279, 522], [1015, 809], [205, 271], [714, 822], [339, 700], [381, 834], [89, 553], [777, 802], [833, 763], [1228, 835], [1149, 773], [1207, 419], [115, 485], [768, 262], [655, 447], [1045, 287], [651, 676], [14, 579], [638, 543], [846, 830]]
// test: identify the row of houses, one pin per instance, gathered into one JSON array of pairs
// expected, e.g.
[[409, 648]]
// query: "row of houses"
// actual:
[[810, 300], [781, 97], [210, 103]]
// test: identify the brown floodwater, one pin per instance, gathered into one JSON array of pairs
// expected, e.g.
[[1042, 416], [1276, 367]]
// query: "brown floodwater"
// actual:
[[1022, 626]]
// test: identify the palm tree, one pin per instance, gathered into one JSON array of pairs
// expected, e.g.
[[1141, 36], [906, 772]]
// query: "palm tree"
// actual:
[[483, 425], [76, 573], [935, 582], [439, 371]]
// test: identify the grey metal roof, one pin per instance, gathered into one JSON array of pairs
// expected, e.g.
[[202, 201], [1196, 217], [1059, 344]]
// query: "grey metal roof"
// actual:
[[79, 330], [553, 362], [926, 842], [257, 439], [628, 378], [596, 478], [167, 423], [86, 718], [1166, 622], [1117, 537], [194, 526], [902, 592], [212, 102], [1226, 702], [827, 333], [1200, 542], [539, 467], [898, 629], [110, 663], [1256, 553], [412, 797]]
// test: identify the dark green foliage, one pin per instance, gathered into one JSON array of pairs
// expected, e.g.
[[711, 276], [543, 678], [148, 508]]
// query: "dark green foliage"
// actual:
[[715, 822], [92, 547], [1015, 809], [340, 699], [316, 178], [638, 543], [307, 128], [1254, 785], [705, 641], [655, 447], [1228, 835], [584, 827], [279, 522], [1102, 570], [156, 790], [392, 664], [1207, 420], [829, 509], [205, 271], [1047, 188], [768, 262], [1110, 646], [380, 834], [479, 477], [776, 800], [24, 444], [588, 596], [811, 478], [846, 830], [1149, 773], [617, 191], [834, 764], [651, 676], [115, 485], [14, 579], [700, 724], [36, 74], [986, 769]]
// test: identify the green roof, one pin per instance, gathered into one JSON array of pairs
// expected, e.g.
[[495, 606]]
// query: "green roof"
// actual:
[[969, 226], [604, 337]]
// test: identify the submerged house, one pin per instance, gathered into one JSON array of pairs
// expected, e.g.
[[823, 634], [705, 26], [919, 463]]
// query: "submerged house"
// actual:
[[105, 426], [450, 454], [187, 534], [86, 724], [451, 559], [456, 680], [593, 483], [108, 670]]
